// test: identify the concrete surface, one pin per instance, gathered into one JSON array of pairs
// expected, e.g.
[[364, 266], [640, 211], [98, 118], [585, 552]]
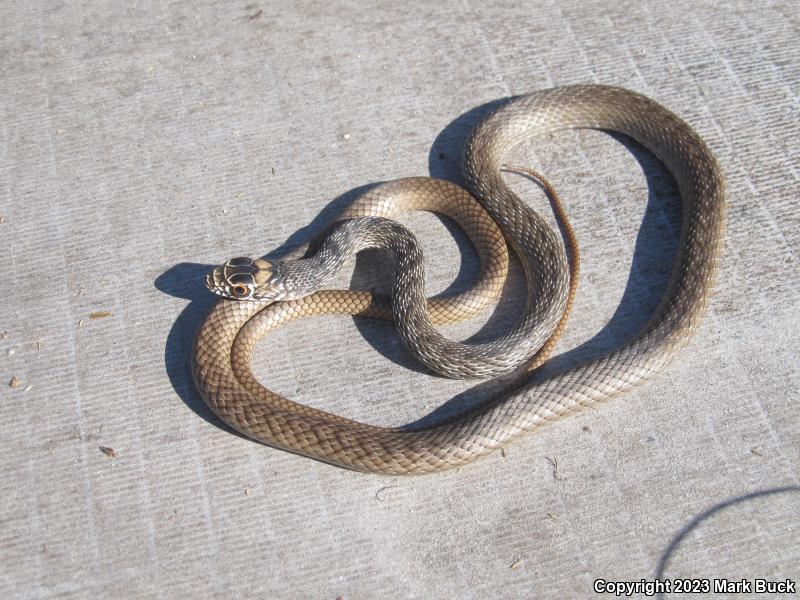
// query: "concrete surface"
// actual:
[[142, 141]]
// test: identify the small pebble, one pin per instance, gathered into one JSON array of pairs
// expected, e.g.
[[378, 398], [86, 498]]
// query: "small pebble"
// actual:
[[108, 451], [15, 382]]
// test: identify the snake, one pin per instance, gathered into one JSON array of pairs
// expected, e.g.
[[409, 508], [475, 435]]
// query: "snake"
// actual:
[[225, 340]]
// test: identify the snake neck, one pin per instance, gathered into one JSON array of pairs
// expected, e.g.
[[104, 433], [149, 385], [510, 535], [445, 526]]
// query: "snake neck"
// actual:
[[305, 276]]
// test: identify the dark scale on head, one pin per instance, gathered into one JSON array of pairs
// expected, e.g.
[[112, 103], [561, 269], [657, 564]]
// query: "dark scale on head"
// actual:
[[240, 261]]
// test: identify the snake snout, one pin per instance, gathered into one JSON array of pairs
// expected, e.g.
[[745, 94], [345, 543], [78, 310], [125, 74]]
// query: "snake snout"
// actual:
[[215, 281]]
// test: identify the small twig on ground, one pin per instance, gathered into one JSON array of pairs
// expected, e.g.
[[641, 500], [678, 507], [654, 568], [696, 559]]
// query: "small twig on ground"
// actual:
[[383, 489], [554, 462]]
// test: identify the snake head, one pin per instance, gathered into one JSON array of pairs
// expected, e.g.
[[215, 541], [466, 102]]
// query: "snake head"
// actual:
[[245, 278]]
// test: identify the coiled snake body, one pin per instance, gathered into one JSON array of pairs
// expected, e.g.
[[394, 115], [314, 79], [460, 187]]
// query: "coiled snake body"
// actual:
[[221, 355]]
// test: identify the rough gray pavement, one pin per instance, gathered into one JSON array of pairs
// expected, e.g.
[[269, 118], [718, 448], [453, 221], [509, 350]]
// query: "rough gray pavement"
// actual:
[[141, 142]]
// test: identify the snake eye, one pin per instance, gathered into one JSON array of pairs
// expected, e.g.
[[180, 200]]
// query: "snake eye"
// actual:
[[240, 290]]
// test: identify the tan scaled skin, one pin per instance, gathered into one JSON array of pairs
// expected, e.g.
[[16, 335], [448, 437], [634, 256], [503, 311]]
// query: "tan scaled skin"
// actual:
[[574, 264], [222, 348]]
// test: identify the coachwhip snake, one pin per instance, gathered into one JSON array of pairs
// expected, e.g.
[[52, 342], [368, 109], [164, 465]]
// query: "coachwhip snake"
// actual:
[[221, 355]]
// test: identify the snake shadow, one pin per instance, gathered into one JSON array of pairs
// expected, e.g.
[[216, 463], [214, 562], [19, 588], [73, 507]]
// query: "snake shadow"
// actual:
[[186, 281], [679, 541]]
